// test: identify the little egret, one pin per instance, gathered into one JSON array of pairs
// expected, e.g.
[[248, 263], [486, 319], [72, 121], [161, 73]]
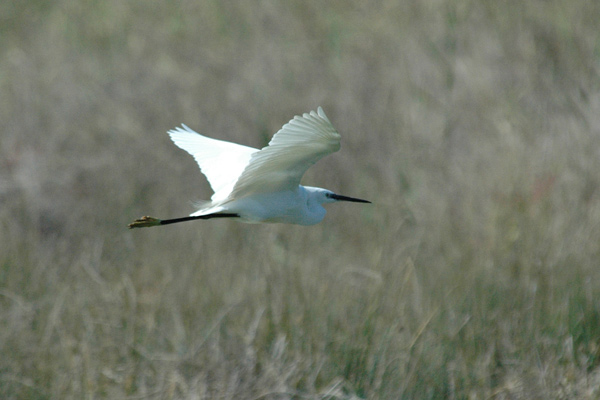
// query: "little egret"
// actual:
[[263, 185]]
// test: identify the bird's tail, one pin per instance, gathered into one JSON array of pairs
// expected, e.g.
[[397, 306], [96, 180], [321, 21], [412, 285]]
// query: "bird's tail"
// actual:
[[206, 208]]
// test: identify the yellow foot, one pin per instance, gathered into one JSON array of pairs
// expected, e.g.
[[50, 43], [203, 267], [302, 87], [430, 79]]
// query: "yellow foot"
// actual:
[[144, 222]]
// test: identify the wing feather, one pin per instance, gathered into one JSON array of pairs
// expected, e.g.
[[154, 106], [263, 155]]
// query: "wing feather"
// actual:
[[293, 149], [221, 162]]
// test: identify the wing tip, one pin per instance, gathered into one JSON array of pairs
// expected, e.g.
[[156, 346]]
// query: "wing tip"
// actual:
[[183, 129], [183, 133], [320, 114]]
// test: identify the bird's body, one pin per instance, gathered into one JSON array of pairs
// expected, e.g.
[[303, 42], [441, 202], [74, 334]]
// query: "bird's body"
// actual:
[[299, 206], [263, 185]]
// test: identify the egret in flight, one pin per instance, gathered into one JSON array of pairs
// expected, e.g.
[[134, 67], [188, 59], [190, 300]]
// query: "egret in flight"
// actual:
[[253, 185]]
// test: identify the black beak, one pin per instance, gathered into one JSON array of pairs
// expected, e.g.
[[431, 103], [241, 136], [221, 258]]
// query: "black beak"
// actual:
[[339, 197]]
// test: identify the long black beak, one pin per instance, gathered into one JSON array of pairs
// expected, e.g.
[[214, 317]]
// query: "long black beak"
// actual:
[[339, 197]]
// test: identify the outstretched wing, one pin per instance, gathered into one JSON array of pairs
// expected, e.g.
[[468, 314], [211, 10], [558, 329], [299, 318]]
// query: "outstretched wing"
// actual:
[[221, 162], [299, 144]]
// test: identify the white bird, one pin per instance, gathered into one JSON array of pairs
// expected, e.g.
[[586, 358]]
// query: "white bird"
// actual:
[[263, 185]]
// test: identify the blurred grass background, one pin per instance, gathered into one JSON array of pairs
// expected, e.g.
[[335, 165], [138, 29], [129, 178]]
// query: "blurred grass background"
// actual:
[[474, 127]]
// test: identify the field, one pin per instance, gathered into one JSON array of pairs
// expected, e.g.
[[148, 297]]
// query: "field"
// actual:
[[473, 127]]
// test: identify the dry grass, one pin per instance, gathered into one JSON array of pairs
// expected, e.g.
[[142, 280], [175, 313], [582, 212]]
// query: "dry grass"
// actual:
[[473, 126]]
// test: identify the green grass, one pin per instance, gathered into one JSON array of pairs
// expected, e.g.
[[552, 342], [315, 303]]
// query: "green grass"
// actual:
[[472, 127]]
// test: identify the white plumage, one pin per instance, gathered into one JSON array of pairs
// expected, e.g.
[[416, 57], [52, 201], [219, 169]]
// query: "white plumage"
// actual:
[[262, 185]]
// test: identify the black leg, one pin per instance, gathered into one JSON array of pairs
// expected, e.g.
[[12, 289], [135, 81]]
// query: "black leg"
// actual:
[[146, 222]]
